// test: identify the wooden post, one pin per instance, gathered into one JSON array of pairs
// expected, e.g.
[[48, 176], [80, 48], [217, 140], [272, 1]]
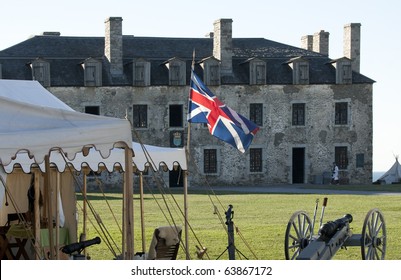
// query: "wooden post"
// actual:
[[185, 172], [128, 211], [58, 196], [142, 211], [36, 212], [49, 206], [84, 208]]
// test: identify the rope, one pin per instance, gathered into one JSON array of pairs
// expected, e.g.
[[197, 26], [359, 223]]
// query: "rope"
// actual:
[[217, 212], [163, 194], [107, 202], [105, 233], [100, 233]]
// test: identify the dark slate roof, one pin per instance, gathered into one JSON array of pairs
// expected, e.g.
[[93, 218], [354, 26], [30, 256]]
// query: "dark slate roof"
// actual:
[[65, 55]]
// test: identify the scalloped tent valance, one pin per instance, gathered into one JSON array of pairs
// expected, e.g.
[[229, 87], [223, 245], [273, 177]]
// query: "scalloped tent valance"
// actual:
[[35, 121], [144, 156]]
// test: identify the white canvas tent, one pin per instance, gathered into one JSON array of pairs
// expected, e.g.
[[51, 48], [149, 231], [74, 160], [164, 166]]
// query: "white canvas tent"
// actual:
[[29, 112], [393, 175], [34, 122]]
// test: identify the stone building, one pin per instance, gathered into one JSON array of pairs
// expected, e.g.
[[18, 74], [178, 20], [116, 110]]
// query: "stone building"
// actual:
[[312, 110]]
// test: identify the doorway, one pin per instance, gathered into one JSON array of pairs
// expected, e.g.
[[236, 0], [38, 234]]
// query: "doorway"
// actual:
[[298, 165]]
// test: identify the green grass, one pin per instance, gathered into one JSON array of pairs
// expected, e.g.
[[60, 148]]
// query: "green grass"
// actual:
[[260, 218]]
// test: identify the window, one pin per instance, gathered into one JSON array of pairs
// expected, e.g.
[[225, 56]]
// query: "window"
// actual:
[[360, 160], [210, 161], [257, 72], [303, 73], [298, 114], [343, 71], [141, 75], [255, 160], [41, 72], [92, 72], [211, 71], [174, 75], [256, 113], [341, 157], [90, 76], [347, 74], [94, 110], [214, 75], [260, 74], [300, 71], [341, 114], [140, 116], [176, 115], [177, 71]]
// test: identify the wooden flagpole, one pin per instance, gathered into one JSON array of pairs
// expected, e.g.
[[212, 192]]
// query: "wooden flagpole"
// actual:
[[187, 151]]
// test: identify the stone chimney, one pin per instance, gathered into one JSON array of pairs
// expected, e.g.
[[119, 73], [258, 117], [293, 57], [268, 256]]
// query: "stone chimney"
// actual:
[[321, 42], [352, 44], [222, 45], [307, 42], [113, 45]]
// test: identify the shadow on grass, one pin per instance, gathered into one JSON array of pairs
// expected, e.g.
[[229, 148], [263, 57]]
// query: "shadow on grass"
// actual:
[[370, 189]]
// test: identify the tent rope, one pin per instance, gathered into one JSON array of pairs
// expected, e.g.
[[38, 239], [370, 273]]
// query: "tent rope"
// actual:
[[105, 233], [162, 190]]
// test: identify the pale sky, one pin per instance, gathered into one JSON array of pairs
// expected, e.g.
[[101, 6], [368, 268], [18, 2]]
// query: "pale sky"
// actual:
[[282, 21]]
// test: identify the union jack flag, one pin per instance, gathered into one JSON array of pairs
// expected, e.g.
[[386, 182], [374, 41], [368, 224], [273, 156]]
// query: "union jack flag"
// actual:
[[223, 122]]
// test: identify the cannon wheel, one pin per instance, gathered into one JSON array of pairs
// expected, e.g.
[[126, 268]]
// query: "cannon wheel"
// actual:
[[373, 242], [297, 235]]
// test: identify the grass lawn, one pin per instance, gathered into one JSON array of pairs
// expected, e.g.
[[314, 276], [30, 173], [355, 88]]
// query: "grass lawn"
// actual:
[[260, 218]]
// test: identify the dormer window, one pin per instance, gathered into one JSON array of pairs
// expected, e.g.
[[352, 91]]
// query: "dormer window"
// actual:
[[177, 72], [343, 71], [257, 72], [141, 73], [211, 71], [92, 72], [41, 71], [300, 71]]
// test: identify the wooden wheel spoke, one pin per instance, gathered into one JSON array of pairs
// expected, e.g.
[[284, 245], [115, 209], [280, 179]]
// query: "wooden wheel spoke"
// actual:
[[298, 230], [373, 246]]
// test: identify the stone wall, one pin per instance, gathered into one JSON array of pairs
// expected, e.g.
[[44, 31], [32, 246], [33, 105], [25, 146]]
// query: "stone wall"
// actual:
[[277, 137]]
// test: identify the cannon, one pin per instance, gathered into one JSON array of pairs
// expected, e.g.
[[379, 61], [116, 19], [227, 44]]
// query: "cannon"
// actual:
[[75, 249], [302, 244]]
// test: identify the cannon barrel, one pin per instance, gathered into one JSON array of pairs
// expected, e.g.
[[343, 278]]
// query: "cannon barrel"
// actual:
[[330, 228], [79, 246]]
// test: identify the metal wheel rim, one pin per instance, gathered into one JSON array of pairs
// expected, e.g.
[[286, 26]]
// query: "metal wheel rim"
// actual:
[[373, 243], [297, 235]]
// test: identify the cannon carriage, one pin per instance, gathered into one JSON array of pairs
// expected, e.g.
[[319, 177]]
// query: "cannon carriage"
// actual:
[[302, 244]]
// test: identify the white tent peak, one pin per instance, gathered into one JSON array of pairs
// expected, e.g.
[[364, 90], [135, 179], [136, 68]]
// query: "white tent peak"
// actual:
[[393, 175]]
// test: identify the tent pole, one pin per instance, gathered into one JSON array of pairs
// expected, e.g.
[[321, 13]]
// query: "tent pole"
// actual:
[[36, 212], [186, 213], [128, 211], [57, 214], [49, 207], [186, 194], [84, 208], [124, 227], [142, 211]]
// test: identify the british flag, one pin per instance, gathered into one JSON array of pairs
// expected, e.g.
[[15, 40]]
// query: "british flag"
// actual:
[[223, 122]]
